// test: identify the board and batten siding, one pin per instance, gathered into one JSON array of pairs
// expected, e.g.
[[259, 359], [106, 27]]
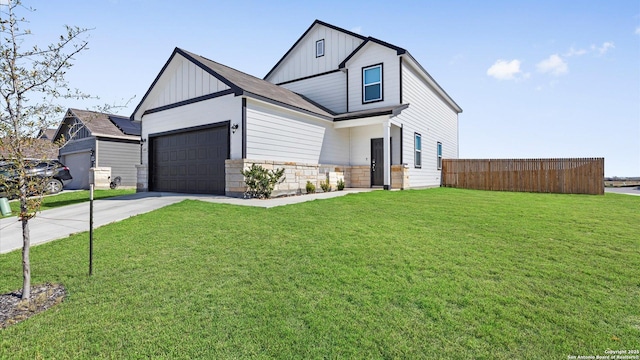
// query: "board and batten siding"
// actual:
[[328, 90], [122, 157], [302, 61], [184, 80], [275, 133], [373, 54], [429, 115], [207, 112]]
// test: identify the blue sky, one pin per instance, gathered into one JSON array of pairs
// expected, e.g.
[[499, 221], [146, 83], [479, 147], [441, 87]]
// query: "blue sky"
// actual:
[[534, 78]]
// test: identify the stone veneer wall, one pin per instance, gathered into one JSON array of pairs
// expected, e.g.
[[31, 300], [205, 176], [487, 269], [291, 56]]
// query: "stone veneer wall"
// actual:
[[399, 177], [142, 184], [296, 176], [360, 176]]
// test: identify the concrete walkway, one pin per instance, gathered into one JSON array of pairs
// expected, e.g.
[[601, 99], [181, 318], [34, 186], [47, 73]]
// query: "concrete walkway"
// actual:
[[61, 222]]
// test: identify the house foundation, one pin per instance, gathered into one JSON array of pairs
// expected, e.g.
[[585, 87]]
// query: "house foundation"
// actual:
[[296, 176]]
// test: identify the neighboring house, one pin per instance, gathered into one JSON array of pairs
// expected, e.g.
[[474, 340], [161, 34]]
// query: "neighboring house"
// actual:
[[47, 134], [39, 148], [337, 105], [94, 139]]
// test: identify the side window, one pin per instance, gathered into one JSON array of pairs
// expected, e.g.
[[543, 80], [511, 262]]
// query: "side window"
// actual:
[[439, 153], [418, 150], [372, 83], [320, 48]]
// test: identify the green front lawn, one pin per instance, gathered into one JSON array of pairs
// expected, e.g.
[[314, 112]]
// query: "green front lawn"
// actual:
[[441, 273], [70, 198]]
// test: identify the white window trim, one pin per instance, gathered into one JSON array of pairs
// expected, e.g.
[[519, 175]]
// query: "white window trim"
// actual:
[[416, 150], [320, 53], [364, 86], [439, 154]]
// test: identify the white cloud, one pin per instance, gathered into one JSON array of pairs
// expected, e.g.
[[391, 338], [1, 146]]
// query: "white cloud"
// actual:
[[357, 30], [506, 70], [553, 65], [601, 50], [638, 30], [604, 48], [575, 52]]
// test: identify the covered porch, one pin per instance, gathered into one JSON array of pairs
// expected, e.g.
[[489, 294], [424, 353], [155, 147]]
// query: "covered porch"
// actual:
[[376, 147]]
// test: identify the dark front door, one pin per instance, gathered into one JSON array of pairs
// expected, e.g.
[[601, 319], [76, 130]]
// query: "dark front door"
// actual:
[[377, 162], [190, 162]]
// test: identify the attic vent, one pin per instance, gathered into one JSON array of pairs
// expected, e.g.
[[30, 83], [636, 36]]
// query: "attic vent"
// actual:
[[320, 48]]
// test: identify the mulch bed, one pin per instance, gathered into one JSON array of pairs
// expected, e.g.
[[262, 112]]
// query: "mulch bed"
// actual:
[[44, 296]]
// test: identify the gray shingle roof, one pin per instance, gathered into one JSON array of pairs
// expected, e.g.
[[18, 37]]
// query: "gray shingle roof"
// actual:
[[241, 83], [32, 149], [253, 86], [98, 124], [47, 134]]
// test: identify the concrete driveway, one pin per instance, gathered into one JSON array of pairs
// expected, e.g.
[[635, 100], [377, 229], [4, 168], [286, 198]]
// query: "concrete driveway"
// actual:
[[61, 222]]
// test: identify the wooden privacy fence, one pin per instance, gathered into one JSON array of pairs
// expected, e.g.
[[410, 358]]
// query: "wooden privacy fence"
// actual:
[[566, 176]]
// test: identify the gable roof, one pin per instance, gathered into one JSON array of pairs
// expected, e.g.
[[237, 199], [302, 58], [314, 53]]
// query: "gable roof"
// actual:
[[368, 40], [47, 134], [251, 86], [399, 50], [101, 124], [316, 22], [242, 84]]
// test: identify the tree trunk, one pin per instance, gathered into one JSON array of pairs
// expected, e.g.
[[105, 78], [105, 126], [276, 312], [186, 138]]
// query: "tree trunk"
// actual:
[[26, 264], [26, 239]]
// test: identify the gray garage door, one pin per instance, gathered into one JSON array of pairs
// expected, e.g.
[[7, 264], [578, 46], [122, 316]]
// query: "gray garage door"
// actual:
[[79, 165], [190, 162]]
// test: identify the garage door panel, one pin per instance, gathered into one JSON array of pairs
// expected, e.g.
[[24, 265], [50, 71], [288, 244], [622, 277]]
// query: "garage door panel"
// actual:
[[190, 162]]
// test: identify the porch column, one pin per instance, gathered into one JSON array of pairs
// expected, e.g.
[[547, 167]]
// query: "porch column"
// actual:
[[386, 136]]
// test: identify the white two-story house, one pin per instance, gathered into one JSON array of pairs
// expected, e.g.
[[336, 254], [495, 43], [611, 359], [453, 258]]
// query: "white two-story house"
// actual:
[[338, 105]]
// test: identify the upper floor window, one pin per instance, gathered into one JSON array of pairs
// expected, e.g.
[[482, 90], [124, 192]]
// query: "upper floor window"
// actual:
[[418, 150], [439, 152], [320, 48], [372, 83]]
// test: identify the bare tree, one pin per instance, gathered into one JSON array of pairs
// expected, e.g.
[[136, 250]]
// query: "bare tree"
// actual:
[[32, 79]]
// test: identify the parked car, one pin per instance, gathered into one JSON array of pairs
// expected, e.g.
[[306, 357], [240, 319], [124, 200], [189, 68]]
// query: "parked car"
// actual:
[[49, 176]]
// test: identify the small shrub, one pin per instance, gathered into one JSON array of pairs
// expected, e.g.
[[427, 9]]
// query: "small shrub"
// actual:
[[340, 185], [325, 185], [310, 188], [260, 181]]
